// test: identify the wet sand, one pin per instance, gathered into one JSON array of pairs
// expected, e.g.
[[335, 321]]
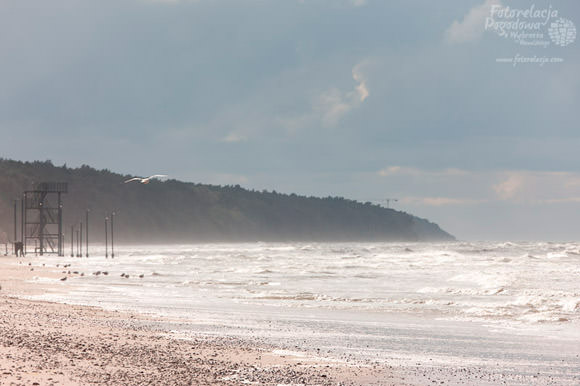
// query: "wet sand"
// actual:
[[43, 343]]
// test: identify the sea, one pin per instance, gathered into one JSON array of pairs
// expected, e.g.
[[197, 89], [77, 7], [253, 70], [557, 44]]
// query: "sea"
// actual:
[[508, 311]]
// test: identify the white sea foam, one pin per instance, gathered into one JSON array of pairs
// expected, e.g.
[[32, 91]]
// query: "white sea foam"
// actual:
[[394, 300], [488, 281]]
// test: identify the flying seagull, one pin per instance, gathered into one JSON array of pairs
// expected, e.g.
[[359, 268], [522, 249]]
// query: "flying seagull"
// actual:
[[147, 179]]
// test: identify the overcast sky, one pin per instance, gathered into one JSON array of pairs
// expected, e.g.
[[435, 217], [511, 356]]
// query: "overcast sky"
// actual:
[[367, 99]]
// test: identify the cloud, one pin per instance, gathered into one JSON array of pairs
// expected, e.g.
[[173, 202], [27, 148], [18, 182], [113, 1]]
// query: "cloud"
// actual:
[[440, 201], [410, 171], [333, 104], [537, 187], [565, 200], [358, 3], [362, 89], [472, 26], [510, 187], [171, 1], [353, 3], [454, 186], [234, 137]]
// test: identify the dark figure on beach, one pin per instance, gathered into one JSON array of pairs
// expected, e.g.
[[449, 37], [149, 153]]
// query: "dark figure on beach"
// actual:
[[19, 247]]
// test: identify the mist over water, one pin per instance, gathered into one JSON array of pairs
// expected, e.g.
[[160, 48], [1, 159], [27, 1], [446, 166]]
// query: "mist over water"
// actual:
[[482, 302]]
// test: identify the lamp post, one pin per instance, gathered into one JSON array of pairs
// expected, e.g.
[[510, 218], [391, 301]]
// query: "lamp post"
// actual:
[[112, 235], [87, 231], [23, 222], [77, 233], [106, 241], [60, 230], [15, 231], [80, 239]]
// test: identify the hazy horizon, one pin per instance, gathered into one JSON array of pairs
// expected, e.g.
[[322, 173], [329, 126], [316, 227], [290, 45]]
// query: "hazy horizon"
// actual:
[[363, 99]]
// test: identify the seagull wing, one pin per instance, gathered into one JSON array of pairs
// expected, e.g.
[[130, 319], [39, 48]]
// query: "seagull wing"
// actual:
[[157, 176], [134, 179]]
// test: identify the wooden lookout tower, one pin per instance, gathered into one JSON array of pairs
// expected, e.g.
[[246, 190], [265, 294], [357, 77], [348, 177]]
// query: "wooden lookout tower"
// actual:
[[42, 218]]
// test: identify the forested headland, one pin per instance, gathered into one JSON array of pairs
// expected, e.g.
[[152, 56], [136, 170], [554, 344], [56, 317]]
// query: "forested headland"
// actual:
[[173, 211]]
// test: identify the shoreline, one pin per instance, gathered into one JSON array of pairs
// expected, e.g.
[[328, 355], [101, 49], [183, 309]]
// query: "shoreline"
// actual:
[[50, 343], [49, 338]]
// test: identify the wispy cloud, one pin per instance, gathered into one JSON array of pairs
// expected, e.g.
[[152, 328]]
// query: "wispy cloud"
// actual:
[[333, 104], [472, 26], [440, 201], [410, 171], [171, 1], [566, 200], [350, 3], [455, 186], [510, 187], [358, 3], [234, 137], [537, 187], [523, 186]]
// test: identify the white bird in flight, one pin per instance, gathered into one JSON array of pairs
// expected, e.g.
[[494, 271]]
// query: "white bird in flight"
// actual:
[[146, 180]]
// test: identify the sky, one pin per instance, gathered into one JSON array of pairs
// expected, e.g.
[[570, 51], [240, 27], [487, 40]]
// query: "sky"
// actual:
[[467, 112]]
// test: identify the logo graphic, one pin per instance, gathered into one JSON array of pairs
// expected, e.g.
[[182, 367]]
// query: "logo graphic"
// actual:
[[562, 32], [531, 26]]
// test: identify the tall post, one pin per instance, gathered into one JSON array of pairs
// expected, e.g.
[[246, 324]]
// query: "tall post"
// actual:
[[106, 241], [81, 240], [15, 231], [72, 236], [41, 227], [77, 243], [60, 239], [87, 232], [112, 236], [22, 222]]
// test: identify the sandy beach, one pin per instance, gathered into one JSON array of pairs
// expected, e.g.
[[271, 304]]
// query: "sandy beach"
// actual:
[[43, 343]]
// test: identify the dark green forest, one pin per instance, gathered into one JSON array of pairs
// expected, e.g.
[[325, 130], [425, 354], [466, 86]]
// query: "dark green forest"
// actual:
[[174, 211]]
